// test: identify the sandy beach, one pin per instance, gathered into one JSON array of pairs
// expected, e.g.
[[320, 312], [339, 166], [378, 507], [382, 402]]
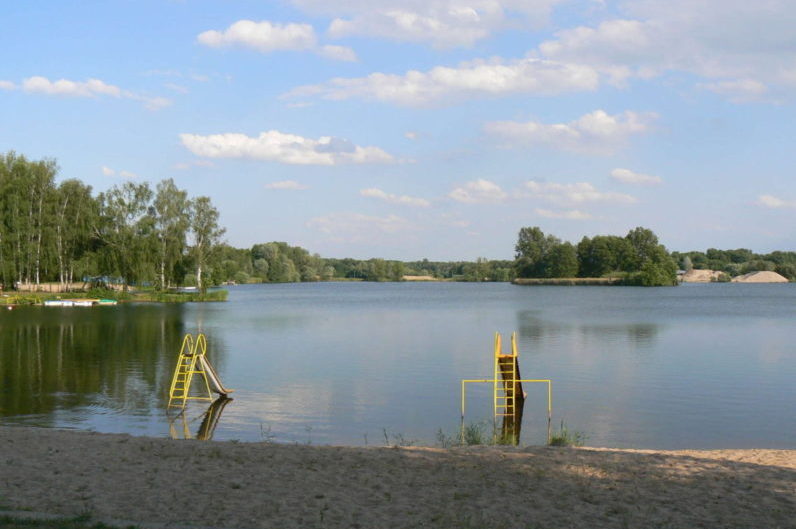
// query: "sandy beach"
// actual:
[[260, 485]]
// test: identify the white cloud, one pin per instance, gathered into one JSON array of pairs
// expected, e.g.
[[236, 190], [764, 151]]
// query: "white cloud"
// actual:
[[739, 90], [572, 214], [338, 53], [89, 88], [284, 148], [442, 23], [403, 200], [597, 132], [479, 192], [626, 176], [64, 87], [744, 46], [568, 194], [267, 37], [410, 135], [444, 84], [355, 227], [7, 85], [262, 36], [107, 171], [291, 185], [177, 88], [772, 202]]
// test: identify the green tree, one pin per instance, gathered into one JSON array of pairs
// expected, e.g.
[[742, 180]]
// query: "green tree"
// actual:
[[75, 217], [172, 219], [125, 227], [206, 236], [562, 261], [604, 255], [531, 251]]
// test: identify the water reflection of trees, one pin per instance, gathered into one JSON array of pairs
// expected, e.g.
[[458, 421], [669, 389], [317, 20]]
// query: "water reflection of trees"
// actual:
[[532, 328], [120, 357]]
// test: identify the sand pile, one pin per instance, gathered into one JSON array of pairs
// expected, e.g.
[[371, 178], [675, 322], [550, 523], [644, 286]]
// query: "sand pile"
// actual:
[[264, 485], [760, 277], [701, 276]]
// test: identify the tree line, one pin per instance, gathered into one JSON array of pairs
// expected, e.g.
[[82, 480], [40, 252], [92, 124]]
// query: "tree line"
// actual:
[[737, 262], [637, 258], [136, 235], [279, 262], [131, 234]]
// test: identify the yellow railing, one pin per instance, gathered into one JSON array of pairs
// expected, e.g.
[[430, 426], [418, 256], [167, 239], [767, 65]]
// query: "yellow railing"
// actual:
[[187, 367], [507, 386]]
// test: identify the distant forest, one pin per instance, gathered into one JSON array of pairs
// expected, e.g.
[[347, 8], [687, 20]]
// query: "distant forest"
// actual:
[[163, 238]]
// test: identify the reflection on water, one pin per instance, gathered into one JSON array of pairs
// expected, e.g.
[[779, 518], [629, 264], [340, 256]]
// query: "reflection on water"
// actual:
[[703, 366], [535, 329], [180, 424]]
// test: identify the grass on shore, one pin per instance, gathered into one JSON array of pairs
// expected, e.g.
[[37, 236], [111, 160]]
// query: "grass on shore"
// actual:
[[80, 522], [566, 437], [149, 295]]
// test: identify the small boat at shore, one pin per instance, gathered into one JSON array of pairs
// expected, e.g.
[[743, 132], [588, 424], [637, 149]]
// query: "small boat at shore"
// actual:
[[83, 302]]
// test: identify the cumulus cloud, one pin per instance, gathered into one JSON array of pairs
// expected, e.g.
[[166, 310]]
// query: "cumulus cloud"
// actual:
[[402, 200], [441, 23], [569, 194], [496, 77], [284, 148], [571, 214], [355, 227], [267, 37], [338, 53], [291, 185], [65, 87], [772, 202], [626, 176], [90, 88], [479, 192], [597, 132], [107, 171], [739, 90], [743, 46]]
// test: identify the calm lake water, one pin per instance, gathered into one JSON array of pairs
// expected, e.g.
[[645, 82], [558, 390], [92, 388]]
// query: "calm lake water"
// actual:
[[697, 366]]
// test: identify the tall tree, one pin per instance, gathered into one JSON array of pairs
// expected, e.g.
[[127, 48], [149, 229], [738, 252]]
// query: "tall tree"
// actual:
[[124, 226], [172, 220], [75, 215], [532, 249], [206, 235]]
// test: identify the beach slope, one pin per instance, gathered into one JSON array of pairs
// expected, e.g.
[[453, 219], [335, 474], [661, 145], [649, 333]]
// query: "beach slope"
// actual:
[[260, 485]]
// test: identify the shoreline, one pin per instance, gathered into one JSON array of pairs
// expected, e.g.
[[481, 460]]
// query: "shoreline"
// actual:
[[261, 485]]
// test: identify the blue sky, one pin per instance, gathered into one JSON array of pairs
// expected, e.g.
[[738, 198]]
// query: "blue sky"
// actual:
[[411, 129]]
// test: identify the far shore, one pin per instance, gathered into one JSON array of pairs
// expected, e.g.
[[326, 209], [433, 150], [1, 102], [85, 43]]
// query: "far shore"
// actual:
[[112, 477], [570, 281]]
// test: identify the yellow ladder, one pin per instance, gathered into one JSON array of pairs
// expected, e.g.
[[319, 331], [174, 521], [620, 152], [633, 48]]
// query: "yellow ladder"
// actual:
[[188, 366], [506, 382]]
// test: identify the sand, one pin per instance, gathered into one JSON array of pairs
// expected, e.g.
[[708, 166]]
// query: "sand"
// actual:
[[760, 277], [254, 485], [701, 276]]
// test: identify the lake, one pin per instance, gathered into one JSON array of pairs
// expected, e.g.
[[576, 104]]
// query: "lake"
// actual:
[[696, 366]]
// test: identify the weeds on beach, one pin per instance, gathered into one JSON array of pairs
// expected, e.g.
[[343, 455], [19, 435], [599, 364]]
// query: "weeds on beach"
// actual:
[[471, 434], [566, 437], [80, 522]]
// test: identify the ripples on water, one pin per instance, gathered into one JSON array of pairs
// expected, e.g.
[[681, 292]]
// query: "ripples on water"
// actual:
[[700, 366]]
